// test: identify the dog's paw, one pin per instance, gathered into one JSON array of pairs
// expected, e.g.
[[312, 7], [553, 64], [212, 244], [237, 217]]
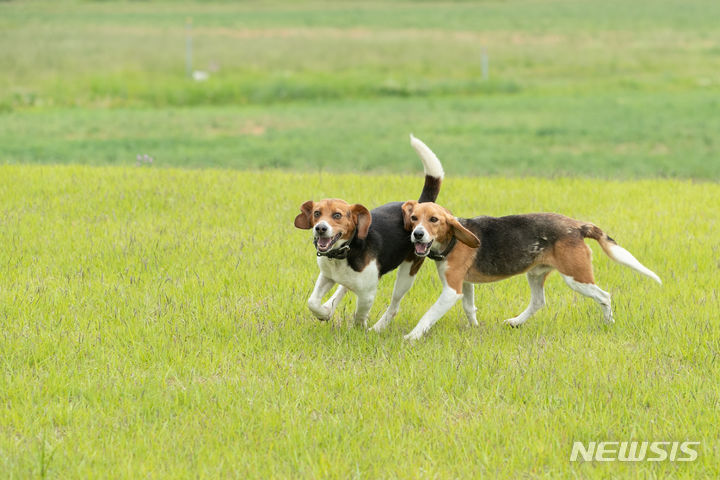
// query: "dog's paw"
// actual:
[[360, 323], [379, 326], [413, 336], [514, 322], [322, 313]]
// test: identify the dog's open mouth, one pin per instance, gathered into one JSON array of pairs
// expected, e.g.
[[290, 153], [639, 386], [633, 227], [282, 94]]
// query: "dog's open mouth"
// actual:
[[422, 249], [323, 244]]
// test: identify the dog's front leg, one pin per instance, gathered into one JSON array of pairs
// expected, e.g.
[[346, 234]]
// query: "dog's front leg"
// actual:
[[322, 286], [469, 303], [333, 302], [447, 299]]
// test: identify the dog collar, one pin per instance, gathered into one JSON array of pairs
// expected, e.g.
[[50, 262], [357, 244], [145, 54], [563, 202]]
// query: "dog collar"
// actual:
[[441, 256], [339, 253]]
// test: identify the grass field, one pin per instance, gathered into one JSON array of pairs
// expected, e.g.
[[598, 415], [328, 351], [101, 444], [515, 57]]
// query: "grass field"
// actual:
[[153, 320], [601, 89], [154, 324], [606, 136]]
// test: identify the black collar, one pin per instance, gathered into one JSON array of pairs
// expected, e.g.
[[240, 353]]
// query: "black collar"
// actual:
[[441, 256], [339, 253]]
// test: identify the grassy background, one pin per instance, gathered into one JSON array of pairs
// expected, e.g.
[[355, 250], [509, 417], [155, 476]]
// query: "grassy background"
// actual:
[[153, 319], [606, 89], [154, 324], [544, 136]]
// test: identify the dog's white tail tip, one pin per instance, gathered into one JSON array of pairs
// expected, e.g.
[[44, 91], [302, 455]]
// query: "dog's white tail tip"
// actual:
[[654, 276], [622, 256], [431, 163]]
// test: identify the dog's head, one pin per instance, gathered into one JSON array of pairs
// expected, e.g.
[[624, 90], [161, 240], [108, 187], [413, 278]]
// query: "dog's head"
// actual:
[[333, 222], [432, 224]]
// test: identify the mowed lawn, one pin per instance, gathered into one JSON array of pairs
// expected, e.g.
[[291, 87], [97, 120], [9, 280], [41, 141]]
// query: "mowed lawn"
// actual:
[[154, 324]]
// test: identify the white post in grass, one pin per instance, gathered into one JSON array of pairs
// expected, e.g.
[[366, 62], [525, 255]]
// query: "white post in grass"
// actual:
[[485, 62], [188, 47]]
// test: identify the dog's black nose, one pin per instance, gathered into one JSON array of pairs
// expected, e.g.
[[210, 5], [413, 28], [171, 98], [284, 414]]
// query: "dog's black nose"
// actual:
[[418, 234], [321, 228]]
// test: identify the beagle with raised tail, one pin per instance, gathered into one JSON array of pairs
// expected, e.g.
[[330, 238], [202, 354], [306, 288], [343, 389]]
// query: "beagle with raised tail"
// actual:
[[355, 247], [488, 249]]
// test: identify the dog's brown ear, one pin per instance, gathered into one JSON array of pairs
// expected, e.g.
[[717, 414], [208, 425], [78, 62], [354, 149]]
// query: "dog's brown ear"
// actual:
[[407, 209], [462, 233], [304, 219], [362, 218]]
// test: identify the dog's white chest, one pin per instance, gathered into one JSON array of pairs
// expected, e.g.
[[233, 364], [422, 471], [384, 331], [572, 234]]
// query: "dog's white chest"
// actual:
[[340, 272]]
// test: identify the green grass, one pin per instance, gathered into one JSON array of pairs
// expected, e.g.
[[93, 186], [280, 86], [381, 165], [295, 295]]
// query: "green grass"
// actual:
[[154, 324], [153, 319], [576, 87], [133, 53], [626, 136]]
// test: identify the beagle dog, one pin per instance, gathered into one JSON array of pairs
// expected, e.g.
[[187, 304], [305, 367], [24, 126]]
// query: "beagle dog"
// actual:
[[355, 247], [488, 249]]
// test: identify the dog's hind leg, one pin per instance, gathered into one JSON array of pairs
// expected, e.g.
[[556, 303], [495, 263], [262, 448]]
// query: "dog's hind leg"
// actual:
[[596, 293], [403, 282], [468, 303], [575, 265], [536, 278], [333, 302]]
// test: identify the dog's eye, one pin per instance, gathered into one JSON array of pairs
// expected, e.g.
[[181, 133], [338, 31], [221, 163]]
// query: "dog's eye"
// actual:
[[317, 213], [413, 218], [337, 216], [433, 219]]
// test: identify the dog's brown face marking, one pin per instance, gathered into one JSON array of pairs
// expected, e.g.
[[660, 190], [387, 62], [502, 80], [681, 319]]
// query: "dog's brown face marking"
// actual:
[[335, 213], [438, 225], [337, 220], [433, 218]]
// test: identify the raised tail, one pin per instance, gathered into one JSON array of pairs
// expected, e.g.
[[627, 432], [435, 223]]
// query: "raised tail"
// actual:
[[433, 170], [615, 251]]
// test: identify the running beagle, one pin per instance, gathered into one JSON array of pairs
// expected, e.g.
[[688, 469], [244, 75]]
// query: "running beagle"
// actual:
[[355, 247], [488, 249]]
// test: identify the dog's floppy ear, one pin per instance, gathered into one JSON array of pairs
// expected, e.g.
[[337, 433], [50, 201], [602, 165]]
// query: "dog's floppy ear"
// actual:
[[407, 209], [462, 233], [304, 219], [362, 218]]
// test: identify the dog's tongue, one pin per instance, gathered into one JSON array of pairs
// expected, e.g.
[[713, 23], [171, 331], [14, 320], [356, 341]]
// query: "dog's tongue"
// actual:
[[421, 248], [323, 242]]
